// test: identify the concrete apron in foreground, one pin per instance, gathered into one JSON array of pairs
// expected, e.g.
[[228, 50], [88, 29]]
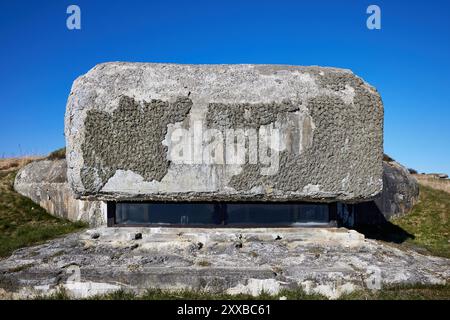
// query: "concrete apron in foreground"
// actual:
[[326, 261]]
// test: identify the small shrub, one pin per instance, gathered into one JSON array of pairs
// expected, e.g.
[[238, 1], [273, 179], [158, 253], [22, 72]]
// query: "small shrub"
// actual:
[[387, 158], [57, 154], [204, 263]]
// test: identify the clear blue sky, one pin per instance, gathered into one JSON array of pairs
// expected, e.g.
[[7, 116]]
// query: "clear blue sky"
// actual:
[[408, 60]]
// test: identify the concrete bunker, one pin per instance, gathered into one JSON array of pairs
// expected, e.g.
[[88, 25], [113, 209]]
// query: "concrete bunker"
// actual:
[[224, 145]]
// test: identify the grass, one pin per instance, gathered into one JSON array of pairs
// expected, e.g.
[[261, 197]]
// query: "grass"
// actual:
[[204, 263], [405, 292], [428, 222], [24, 223], [159, 294], [387, 158], [57, 154], [15, 163], [425, 228], [435, 183]]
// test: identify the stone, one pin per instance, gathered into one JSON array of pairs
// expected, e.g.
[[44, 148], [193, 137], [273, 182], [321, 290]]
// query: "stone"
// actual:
[[400, 193], [45, 182], [331, 262], [146, 131], [400, 190]]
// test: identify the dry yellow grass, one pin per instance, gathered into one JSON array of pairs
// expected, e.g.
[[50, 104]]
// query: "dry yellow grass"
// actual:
[[8, 164], [432, 182]]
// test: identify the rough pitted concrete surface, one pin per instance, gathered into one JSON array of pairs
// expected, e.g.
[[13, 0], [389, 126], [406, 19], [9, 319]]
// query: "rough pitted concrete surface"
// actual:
[[45, 182], [326, 261], [143, 128], [121, 116]]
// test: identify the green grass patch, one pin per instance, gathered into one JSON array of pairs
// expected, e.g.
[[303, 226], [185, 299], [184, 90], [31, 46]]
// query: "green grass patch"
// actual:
[[424, 229], [428, 222], [24, 223], [405, 292], [57, 154], [204, 263], [159, 294]]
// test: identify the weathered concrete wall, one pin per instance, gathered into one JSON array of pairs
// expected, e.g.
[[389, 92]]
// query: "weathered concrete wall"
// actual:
[[400, 190], [400, 193], [45, 182], [164, 131]]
